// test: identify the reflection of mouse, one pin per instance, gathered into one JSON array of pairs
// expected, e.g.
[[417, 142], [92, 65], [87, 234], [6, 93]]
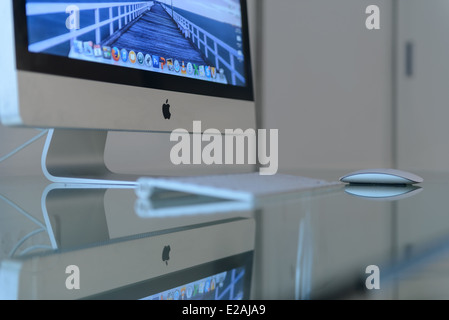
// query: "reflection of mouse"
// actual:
[[381, 176], [382, 192]]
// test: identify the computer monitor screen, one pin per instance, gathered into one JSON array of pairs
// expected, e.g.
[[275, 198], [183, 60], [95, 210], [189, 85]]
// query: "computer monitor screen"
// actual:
[[193, 46], [188, 38], [112, 64]]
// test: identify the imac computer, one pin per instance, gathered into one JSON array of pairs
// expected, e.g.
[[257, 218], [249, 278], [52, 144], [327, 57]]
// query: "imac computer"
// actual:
[[83, 68]]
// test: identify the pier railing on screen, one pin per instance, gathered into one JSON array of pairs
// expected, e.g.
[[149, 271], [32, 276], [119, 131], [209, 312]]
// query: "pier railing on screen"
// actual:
[[211, 44], [126, 12]]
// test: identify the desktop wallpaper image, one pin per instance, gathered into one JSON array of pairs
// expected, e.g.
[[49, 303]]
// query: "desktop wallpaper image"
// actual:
[[184, 38]]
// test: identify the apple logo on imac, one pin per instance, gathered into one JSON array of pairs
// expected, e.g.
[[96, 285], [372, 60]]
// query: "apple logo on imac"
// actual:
[[166, 110], [166, 254]]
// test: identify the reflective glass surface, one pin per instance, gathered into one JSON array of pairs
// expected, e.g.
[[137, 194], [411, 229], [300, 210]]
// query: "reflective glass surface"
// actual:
[[340, 242]]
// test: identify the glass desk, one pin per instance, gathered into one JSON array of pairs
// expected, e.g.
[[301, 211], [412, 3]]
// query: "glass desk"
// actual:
[[60, 242]]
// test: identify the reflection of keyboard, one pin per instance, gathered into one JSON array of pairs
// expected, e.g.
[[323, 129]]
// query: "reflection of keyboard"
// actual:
[[247, 186]]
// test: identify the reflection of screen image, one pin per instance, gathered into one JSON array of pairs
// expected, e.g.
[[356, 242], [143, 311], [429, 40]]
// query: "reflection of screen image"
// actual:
[[223, 286], [198, 39], [223, 279]]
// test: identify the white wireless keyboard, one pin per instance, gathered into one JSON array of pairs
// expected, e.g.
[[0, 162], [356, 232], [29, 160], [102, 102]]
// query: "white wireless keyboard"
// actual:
[[246, 187]]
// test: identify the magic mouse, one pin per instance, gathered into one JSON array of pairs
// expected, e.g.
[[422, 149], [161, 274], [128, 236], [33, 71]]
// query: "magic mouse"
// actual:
[[381, 176]]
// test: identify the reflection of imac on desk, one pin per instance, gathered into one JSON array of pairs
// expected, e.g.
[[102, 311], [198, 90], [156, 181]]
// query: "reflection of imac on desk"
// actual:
[[123, 256], [102, 213], [87, 67]]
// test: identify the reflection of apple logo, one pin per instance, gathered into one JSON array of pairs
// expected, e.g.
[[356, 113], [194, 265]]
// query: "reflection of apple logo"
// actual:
[[166, 110], [166, 254]]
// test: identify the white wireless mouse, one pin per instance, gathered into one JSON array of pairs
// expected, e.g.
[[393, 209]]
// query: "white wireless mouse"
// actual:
[[381, 176]]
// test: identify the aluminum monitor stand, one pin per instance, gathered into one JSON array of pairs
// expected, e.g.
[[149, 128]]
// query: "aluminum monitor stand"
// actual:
[[77, 156]]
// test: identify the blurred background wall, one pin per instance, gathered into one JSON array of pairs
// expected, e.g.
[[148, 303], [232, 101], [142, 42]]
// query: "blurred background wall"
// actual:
[[327, 83]]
